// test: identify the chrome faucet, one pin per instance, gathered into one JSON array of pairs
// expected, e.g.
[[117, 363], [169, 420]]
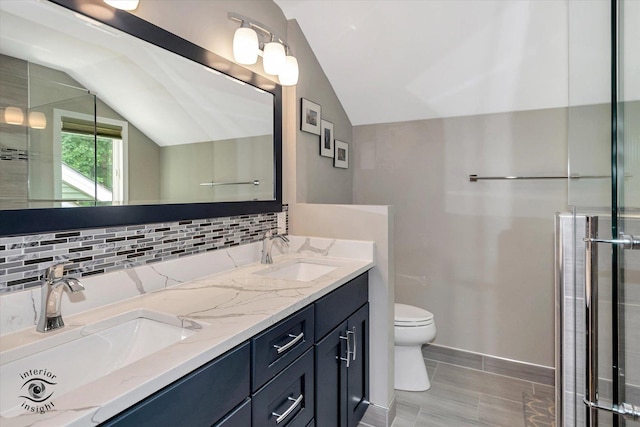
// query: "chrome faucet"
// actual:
[[52, 285], [267, 244]]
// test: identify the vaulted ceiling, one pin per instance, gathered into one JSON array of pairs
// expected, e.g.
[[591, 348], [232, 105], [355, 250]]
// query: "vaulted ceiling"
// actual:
[[403, 60]]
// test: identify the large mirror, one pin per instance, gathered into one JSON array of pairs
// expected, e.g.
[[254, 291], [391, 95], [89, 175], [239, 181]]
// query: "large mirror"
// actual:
[[126, 130]]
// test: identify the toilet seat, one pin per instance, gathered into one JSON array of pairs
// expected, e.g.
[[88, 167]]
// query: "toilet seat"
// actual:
[[410, 316]]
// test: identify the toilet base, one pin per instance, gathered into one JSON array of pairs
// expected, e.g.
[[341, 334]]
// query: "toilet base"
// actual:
[[410, 369]]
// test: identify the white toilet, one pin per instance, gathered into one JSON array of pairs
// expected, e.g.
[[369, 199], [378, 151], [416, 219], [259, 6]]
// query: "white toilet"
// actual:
[[413, 328]]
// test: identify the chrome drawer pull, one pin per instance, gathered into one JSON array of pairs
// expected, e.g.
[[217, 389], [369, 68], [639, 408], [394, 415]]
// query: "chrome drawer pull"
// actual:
[[285, 414], [287, 346]]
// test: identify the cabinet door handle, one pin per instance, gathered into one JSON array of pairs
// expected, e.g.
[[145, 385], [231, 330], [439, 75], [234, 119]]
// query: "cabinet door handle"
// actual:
[[290, 409], [346, 359], [282, 348], [355, 342]]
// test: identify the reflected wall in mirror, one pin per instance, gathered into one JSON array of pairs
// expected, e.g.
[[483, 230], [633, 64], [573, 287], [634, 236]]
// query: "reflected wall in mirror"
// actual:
[[122, 121], [127, 120]]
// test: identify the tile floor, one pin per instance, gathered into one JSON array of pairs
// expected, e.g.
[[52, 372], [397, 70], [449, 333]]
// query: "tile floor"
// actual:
[[463, 397]]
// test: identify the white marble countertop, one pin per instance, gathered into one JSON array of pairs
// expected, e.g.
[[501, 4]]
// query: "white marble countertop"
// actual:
[[235, 305]]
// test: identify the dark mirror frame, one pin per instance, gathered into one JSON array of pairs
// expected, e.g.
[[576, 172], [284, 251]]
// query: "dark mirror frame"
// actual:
[[31, 221]]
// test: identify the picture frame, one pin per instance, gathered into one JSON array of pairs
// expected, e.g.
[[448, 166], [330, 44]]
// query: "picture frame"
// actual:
[[310, 116], [341, 155], [326, 138]]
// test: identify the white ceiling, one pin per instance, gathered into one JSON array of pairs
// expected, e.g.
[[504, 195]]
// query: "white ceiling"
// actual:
[[401, 60]]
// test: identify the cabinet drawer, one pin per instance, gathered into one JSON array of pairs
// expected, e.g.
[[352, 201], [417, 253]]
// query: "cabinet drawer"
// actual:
[[288, 397], [274, 349], [201, 398], [332, 309], [240, 417]]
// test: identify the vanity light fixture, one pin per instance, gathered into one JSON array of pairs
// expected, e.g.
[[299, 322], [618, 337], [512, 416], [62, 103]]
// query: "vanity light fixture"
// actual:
[[289, 74], [14, 116], [245, 45], [275, 58], [37, 120], [123, 4]]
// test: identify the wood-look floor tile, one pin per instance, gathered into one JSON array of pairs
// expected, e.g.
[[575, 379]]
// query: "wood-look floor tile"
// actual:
[[451, 403], [462, 397], [439, 420], [544, 391], [438, 393], [495, 411], [482, 382], [407, 410], [403, 422]]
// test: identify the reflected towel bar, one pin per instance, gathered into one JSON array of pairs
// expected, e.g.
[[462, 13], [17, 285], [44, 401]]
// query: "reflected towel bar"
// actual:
[[476, 178], [214, 184]]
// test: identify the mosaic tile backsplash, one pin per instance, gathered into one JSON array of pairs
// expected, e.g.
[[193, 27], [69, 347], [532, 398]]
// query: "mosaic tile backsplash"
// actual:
[[23, 259]]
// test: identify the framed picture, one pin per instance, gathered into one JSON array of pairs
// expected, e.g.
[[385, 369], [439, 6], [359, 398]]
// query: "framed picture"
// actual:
[[341, 156], [326, 139], [311, 117]]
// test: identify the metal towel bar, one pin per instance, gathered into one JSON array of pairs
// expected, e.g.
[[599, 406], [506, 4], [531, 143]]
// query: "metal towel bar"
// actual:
[[214, 184], [476, 178]]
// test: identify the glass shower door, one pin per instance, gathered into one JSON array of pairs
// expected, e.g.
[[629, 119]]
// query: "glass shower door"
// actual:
[[604, 158]]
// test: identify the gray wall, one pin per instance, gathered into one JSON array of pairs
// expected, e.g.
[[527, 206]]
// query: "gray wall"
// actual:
[[185, 166], [477, 255], [317, 180]]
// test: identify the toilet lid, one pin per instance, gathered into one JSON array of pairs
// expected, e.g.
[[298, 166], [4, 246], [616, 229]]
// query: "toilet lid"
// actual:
[[410, 315]]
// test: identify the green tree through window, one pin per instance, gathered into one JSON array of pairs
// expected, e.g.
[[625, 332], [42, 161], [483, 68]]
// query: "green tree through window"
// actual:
[[78, 153]]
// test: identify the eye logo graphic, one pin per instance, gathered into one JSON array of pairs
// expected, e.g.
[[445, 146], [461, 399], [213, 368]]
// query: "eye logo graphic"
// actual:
[[37, 389]]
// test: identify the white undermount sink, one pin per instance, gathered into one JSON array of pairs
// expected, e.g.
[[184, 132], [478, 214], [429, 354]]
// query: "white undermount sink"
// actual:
[[299, 270], [73, 357]]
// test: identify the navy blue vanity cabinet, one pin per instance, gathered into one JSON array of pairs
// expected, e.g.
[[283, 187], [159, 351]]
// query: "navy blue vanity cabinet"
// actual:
[[331, 378], [288, 399], [342, 359], [239, 417], [358, 371], [202, 398], [277, 347]]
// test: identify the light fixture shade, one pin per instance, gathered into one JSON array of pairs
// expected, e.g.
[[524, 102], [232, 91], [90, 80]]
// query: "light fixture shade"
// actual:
[[123, 4], [289, 74], [14, 116], [245, 46], [37, 120], [273, 58]]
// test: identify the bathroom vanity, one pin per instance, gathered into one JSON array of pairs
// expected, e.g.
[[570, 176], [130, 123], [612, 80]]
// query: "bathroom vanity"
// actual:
[[259, 343], [271, 379]]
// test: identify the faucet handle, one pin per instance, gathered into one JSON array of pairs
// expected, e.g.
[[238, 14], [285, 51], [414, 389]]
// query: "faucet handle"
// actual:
[[55, 272]]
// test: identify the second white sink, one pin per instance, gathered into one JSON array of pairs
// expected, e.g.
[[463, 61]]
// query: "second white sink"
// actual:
[[302, 271]]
